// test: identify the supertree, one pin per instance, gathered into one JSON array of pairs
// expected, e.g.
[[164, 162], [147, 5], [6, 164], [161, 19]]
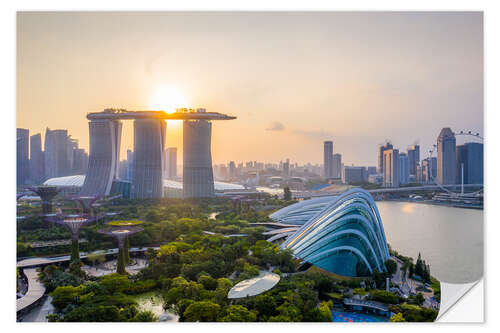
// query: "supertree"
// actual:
[[121, 234], [87, 202], [125, 224], [47, 194], [74, 223]]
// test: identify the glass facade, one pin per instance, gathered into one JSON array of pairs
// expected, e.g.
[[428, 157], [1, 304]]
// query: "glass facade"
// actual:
[[345, 237]]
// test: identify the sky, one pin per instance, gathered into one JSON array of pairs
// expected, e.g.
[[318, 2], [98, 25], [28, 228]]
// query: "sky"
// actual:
[[292, 79]]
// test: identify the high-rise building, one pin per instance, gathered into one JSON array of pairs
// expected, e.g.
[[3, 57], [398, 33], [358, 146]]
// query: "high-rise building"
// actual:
[[104, 156], [171, 162], [149, 147], [413, 158], [80, 161], [446, 157], [429, 170], [462, 165], [23, 138], [286, 168], [381, 150], [354, 175], [391, 168], [328, 159], [475, 163], [232, 169], [337, 166], [371, 170], [404, 169], [37, 165], [56, 153], [130, 164], [197, 175]]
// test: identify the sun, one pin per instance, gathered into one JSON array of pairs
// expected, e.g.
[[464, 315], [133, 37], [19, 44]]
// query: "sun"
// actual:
[[168, 98]]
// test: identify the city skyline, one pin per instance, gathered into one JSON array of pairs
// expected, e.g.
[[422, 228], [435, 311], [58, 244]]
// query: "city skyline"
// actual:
[[425, 72]]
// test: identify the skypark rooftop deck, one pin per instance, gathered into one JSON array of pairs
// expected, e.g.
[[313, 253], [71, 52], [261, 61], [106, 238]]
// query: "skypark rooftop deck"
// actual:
[[179, 114]]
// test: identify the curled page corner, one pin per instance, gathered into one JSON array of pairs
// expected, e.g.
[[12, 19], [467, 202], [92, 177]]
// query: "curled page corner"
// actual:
[[462, 302]]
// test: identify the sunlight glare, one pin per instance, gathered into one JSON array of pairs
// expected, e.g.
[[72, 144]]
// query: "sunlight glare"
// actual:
[[168, 98]]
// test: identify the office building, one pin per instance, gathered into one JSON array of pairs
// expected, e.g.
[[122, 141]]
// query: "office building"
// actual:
[[475, 163], [149, 146], [413, 154], [429, 170], [129, 165], [354, 175], [446, 157], [37, 165], [381, 150], [198, 179], [22, 168], [56, 153], [391, 168], [80, 161], [171, 162], [470, 163], [404, 169], [337, 166], [328, 159]]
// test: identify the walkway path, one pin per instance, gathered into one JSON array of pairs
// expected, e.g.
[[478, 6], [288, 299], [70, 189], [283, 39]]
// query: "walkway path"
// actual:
[[36, 290]]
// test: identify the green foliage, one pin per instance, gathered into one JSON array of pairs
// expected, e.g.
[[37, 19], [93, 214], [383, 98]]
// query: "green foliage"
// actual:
[[238, 313], [66, 295], [115, 283], [208, 282], [144, 316], [383, 296], [202, 311], [397, 318], [414, 313], [91, 313], [391, 266]]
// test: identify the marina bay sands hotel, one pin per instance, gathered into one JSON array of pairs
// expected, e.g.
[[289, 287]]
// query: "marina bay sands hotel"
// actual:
[[149, 146]]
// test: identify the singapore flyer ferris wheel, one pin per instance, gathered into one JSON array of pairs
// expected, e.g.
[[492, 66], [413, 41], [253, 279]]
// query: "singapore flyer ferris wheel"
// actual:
[[478, 188]]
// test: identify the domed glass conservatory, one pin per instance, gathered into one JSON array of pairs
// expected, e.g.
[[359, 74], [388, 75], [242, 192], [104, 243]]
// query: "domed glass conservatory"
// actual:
[[342, 234]]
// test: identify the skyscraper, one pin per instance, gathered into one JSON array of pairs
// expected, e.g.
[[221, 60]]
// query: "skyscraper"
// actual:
[[172, 162], [286, 168], [391, 168], [56, 153], [404, 169], [413, 159], [337, 166], [130, 164], [462, 165], [37, 165], [232, 169], [197, 175], [80, 161], [149, 147], [104, 156], [381, 150], [429, 169], [328, 159], [475, 163], [446, 157], [23, 138]]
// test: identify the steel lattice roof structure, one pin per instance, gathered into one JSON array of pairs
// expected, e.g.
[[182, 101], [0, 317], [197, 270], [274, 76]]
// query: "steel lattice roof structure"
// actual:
[[342, 234]]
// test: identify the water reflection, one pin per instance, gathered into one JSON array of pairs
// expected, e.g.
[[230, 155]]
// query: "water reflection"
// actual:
[[449, 239]]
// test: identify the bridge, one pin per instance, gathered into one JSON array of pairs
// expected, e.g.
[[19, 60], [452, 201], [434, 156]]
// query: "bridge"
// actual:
[[310, 194]]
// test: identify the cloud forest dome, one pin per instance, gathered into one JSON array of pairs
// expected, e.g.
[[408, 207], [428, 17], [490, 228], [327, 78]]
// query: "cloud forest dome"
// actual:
[[346, 237]]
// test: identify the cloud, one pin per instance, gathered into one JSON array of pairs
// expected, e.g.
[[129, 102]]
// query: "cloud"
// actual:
[[276, 126]]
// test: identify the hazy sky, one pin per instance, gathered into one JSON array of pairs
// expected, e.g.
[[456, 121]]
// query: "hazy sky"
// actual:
[[293, 79]]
